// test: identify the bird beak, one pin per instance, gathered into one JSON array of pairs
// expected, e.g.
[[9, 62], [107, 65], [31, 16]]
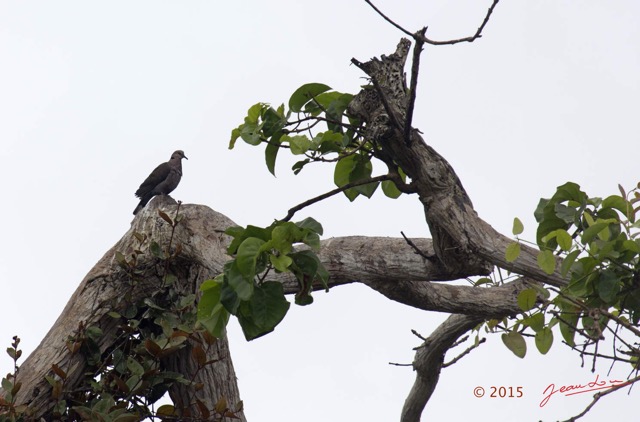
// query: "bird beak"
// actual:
[[184, 156]]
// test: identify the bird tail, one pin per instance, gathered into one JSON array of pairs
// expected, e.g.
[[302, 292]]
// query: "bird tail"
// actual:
[[142, 204]]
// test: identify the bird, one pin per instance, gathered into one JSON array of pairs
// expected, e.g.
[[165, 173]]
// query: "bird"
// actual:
[[162, 181]]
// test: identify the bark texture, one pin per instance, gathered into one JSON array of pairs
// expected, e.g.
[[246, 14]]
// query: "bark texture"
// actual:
[[388, 265]]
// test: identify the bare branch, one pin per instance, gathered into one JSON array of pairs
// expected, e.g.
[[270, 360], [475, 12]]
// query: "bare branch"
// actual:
[[326, 195], [463, 354], [600, 395], [428, 363], [385, 17], [418, 36], [472, 38]]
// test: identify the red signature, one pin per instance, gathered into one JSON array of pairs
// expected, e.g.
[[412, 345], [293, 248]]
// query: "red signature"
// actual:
[[571, 389]]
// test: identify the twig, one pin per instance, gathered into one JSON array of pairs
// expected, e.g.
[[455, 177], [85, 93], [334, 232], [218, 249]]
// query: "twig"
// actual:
[[417, 334], [388, 19], [463, 354], [600, 355], [472, 38], [400, 364], [599, 395], [418, 251], [326, 195], [426, 40]]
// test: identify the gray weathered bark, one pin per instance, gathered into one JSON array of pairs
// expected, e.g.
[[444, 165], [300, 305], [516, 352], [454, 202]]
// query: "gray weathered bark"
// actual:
[[388, 265]]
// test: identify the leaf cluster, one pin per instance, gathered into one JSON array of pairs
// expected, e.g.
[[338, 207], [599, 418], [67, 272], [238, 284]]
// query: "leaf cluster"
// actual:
[[598, 241], [342, 143], [244, 288]]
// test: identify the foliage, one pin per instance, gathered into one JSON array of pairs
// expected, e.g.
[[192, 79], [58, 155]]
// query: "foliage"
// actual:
[[343, 142], [595, 243], [244, 289]]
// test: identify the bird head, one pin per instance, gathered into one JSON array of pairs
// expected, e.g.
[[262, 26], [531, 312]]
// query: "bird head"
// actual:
[[178, 154]]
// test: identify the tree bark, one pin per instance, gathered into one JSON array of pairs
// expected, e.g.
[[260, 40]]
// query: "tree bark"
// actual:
[[461, 239], [388, 265]]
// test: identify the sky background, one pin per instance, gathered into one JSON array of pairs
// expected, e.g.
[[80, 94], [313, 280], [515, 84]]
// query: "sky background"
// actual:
[[93, 95]]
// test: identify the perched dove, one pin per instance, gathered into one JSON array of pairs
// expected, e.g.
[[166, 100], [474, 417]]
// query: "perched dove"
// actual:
[[162, 181]]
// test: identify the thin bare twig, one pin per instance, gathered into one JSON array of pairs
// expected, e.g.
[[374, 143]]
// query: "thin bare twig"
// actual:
[[600, 395], [417, 334], [418, 251], [388, 19], [400, 364], [326, 195], [472, 38], [426, 40], [463, 354]]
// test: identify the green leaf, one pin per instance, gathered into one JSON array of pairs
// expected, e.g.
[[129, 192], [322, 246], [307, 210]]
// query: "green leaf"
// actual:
[[281, 262], [568, 261], [254, 113], [313, 240], [518, 227], [242, 286], [570, 192], [247, 256], [515, 342], [271, 152], [547, 261], [210, 297], [311, 224], [512, 252], [299, 143], [229, 298], [343, 169], [631, 245], [307, 268], [483, 280], [298, 166], [527, 299], [283, 236], [217, 320], [544, 340], [251, 133], [240, 234], [568, 332], [268, 306], [535, 321], [304, 94], [621, 204], [608, 286], [322, 102], [564, 239], [156, 250], [390, 189], [235, 134], [362, 171], [249, 328], [590, 233], [134, 366]]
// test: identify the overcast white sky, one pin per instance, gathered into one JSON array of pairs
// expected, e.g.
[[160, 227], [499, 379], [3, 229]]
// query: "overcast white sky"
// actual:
[[93, 95]]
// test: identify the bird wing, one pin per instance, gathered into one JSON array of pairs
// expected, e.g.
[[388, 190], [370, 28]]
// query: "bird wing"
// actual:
[[156, 177]]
